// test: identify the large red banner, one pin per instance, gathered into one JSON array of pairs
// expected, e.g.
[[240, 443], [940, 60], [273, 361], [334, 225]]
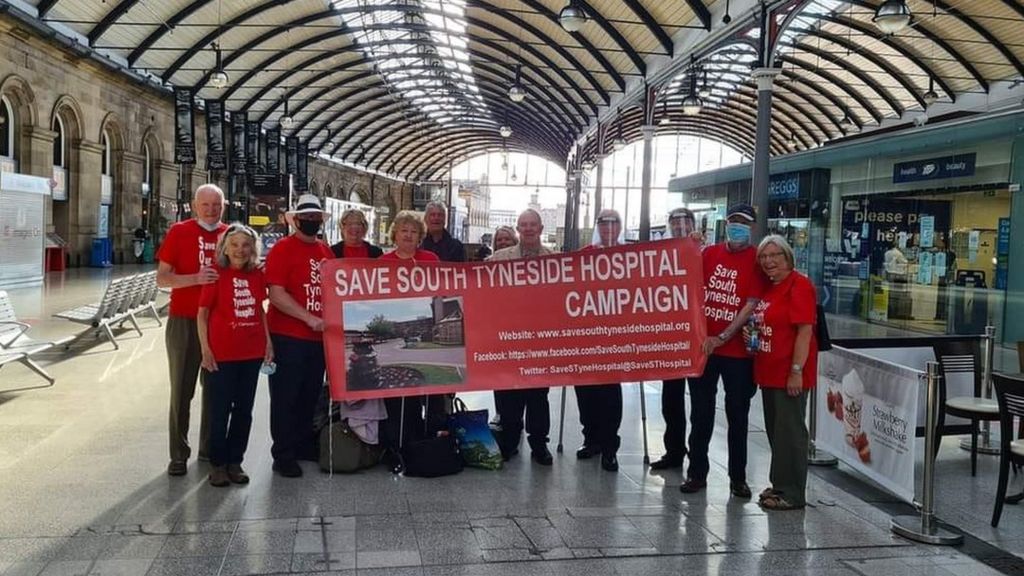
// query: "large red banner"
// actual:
[[619, 314]]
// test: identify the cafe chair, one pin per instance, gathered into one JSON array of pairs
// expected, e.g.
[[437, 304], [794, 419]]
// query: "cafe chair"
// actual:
[[959, 357], [1010, 395]]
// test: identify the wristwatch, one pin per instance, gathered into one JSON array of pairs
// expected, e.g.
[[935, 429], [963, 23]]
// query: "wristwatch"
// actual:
[[796, 369]]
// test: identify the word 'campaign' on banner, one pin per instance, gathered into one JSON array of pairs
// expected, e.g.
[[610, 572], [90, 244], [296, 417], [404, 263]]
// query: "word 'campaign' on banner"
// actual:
[[627, 313]]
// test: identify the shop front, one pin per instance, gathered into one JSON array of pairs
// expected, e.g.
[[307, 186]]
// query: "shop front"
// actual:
[[912, 231]]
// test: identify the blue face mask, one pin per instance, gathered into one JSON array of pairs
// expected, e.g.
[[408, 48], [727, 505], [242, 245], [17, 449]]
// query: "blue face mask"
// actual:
[[737, 233]]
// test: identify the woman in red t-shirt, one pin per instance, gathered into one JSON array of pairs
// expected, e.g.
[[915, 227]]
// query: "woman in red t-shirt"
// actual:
[[407, 231], [785, 367], [353, 243], [235, 341]]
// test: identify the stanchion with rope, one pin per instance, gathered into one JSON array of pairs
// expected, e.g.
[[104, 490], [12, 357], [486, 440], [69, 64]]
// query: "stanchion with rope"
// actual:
[[924, 528], [816, 457], [986, 444]]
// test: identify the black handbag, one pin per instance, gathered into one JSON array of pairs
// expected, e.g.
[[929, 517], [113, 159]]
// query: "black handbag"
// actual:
[[432, 457], [821, 331]]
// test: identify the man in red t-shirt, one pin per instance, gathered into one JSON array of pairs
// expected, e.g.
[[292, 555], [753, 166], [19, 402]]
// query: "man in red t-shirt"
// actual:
[[185, 265], [296, 330], [733, 285]]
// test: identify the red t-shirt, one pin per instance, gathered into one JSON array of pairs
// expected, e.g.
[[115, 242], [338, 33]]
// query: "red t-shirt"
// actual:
[[783, 307], [235, 302], [295, 266], [187, 248], [421, 256], [731, 279], [361, 251]]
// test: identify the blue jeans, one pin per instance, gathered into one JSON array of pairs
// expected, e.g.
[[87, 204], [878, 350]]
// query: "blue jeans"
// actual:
[[232, 392], [295, 388], [737, 376]]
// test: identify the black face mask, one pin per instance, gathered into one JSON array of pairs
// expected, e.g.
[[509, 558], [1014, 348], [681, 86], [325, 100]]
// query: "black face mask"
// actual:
[[309, 227]]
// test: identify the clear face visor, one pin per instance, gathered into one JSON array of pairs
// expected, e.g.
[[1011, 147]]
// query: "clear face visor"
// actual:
[[681, 226], [608, 231]]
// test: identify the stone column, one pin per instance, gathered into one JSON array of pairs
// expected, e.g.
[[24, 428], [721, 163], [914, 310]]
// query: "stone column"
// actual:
[[765, 78], [599, 187], [645, 183], [87, 202]]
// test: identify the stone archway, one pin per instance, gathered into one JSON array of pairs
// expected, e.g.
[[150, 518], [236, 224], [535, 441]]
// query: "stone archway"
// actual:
[[66, 123], [111, 139]]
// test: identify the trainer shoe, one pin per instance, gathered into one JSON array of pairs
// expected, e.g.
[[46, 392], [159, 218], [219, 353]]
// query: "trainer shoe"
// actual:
[[177, 468]]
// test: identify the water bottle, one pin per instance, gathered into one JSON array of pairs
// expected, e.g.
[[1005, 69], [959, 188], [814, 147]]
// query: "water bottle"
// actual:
[[753, 327]]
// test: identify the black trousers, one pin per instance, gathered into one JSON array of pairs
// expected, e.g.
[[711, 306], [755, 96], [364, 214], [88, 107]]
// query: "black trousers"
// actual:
[[673, 410], [511, 404], [737, 375], [232, 392], [294, 390], [600, 409]]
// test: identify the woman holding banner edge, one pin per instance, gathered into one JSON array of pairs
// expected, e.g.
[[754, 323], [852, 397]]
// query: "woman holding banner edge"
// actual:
[[785, 367], [600, 405]]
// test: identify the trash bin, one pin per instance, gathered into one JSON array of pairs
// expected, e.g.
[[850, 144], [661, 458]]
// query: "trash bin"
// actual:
[[54, 258], [101, 254]]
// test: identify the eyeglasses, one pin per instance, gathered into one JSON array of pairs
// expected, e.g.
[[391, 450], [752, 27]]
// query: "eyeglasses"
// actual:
[[765, 256]]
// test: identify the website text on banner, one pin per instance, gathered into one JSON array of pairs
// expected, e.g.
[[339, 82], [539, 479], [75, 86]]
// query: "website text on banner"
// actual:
[[619, 314], [866, 416]]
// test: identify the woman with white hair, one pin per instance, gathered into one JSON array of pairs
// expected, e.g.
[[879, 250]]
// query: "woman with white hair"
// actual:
[[785, 368]]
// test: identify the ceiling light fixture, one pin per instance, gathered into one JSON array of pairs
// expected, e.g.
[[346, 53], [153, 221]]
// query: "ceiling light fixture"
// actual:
[[572, 17], [665, 120], [892, 16], [931, 96], [505, 131], [618, 143], [847, 125], [692, 105], [705, 89], [286, 120], [219, 78], [516, 93]]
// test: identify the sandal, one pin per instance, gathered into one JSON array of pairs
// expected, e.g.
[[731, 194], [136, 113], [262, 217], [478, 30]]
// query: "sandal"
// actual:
[[777, 502]]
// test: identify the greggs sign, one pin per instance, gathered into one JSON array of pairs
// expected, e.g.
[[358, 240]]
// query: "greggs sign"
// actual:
[[619, 314]]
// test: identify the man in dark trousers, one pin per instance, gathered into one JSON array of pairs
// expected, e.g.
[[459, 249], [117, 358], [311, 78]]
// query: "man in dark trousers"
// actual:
[[733, 284], [682, 224], [448, 249], [511, 404]]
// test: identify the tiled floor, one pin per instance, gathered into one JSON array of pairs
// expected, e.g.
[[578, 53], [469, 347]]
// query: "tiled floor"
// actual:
[[83, 491]]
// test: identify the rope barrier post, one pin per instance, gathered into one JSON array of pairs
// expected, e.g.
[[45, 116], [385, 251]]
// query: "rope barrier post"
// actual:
[[816, 457], [924, 528], [643, 422], [561, 423], [986, 445]]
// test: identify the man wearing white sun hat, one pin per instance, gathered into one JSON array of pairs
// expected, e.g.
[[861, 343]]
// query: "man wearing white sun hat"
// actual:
[[296, 330]]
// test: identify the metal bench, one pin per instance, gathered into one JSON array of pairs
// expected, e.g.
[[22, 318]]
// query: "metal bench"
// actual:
[[17, 346], [113, 309]]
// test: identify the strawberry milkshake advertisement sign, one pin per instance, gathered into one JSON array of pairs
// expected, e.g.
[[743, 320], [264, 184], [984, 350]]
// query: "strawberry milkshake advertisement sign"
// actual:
[[866, 414]]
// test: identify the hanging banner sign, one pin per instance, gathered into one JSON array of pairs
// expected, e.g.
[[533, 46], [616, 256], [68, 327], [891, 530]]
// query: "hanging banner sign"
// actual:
[[934, 168], [866, 416], [238, 151], [216, 154], [291, 161], [184, 127], [302, 167], [252, 147], [622, 314], [274, 150]]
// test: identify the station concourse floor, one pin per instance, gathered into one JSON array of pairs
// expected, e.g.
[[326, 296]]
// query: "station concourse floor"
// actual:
[[83, 490]]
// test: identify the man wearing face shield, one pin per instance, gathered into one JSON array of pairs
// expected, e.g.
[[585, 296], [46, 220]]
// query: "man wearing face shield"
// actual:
[[600, 406], [733, 284], [296, 330], [681, 224]]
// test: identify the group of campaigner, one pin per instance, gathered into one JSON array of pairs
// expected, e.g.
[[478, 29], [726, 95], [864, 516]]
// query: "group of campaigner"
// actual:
[[760, 316]]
